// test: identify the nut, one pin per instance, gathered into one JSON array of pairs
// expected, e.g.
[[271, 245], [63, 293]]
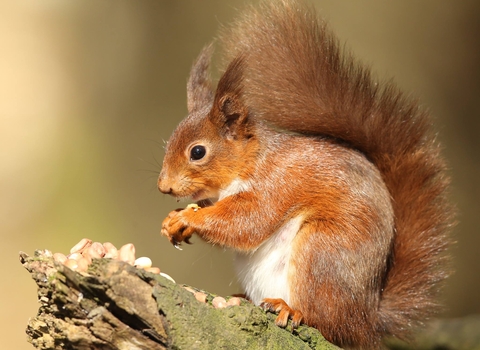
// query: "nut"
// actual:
[[167, 277], [80, 246], [219, 303], [201, 297], [111, 252], [71, 264], [234, 301], [143, 262], [127, 253], [82, 265], [154, 270], [194, 206], [75, 256]]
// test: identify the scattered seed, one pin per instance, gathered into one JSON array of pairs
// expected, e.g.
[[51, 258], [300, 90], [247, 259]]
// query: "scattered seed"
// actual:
[[71, 264], [127, 253], [201, 297], [111, 251], [82, 265], [154, 270], [219, 303], [80, 246], [99, 249], [75, 256], [143, 262], [234, 301], [191, 290], [93, 252], [167, 277]]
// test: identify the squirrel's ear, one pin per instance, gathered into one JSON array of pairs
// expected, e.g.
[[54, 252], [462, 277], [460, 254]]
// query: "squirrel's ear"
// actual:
[[229, 111], [199, 87], [233, 116]]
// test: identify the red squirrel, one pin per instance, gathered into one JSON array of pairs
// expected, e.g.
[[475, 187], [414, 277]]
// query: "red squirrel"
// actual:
[[329, 187]]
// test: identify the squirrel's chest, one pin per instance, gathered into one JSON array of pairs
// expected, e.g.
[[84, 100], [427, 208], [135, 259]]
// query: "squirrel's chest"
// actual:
[[265, 273]]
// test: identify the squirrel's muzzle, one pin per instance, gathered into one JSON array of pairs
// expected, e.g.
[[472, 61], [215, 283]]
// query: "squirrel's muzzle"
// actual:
[[163, 185]]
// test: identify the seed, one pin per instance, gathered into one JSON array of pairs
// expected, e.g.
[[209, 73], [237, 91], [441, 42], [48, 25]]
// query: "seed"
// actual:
[[99, 249], [82, 265], [234, 301], [167, 277], [127, 253], [154, 270], [143, 262], [74, 256], [201, 297], [111, 251], [219, 303], [71, 264], [80, 246]]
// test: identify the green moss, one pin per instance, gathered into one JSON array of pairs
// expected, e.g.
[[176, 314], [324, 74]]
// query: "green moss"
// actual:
[[241, 327]]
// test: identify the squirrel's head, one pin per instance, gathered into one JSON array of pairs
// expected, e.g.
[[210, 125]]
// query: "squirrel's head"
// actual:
[[208, 149]]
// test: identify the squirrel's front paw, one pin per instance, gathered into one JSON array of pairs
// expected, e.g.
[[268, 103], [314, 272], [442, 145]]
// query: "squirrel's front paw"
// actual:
[[176, 229]]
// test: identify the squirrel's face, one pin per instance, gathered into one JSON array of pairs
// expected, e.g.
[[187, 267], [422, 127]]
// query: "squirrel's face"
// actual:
[[203, 157], [189, 158]]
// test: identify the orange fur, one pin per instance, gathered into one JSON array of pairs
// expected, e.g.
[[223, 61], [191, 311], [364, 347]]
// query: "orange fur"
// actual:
[[329, 186]]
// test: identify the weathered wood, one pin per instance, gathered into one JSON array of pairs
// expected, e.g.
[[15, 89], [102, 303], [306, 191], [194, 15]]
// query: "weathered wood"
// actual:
[[117, 306]]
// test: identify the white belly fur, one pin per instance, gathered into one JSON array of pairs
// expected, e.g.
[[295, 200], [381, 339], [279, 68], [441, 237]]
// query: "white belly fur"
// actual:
[[264, 273]]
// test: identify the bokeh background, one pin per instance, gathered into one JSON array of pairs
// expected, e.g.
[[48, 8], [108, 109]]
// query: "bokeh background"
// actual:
[[90, 89]]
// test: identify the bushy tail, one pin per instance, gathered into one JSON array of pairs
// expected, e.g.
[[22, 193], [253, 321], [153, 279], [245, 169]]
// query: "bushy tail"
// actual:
[[297, 78]]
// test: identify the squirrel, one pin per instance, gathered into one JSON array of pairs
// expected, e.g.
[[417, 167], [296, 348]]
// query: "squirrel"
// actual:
[[329, 187]]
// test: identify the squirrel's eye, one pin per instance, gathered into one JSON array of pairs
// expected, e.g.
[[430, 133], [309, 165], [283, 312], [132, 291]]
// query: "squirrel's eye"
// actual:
[[197, 152]]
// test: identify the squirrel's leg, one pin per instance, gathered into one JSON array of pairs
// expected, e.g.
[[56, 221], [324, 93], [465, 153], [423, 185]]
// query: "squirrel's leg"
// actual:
[[238, 221], [337, 293]]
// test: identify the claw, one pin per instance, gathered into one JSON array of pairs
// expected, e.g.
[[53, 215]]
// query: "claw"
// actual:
[[176, 245], [175, 229], [284, 312]]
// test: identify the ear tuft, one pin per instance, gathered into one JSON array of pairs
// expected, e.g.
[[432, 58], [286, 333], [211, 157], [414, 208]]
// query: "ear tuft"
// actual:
[[231, 81], [199, 86]]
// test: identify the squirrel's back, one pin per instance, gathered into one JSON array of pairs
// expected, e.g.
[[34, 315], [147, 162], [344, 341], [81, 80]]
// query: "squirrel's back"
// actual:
[[296, 77]]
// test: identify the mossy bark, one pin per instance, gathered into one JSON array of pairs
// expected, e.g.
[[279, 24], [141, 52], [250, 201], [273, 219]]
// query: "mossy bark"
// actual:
[[117, 306]]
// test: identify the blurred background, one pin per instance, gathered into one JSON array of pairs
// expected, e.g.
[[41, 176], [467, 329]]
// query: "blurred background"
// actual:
[[89, 91]]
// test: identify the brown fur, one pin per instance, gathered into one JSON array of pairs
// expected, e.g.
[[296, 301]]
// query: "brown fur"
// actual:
[[358, 163]]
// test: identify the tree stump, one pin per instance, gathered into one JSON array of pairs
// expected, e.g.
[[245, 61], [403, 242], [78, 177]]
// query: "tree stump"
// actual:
[[117, 306]]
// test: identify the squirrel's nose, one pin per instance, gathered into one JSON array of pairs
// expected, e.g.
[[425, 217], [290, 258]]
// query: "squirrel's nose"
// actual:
[[165, 190], [162, 184]]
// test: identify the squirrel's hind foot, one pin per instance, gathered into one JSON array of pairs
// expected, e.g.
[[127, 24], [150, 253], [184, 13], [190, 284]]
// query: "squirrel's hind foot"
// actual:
[[284, 312]]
